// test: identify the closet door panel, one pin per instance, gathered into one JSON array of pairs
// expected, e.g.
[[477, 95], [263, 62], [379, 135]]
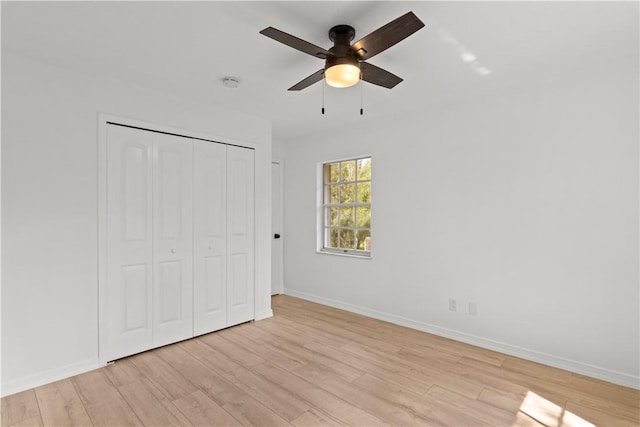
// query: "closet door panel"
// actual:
[[210, 237], [129, 241], [240, 235], [172, 239]]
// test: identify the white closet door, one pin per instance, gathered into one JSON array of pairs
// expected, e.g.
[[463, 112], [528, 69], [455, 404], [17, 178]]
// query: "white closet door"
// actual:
[[129, 241], [240, 235], [210, 237], [172, 239]]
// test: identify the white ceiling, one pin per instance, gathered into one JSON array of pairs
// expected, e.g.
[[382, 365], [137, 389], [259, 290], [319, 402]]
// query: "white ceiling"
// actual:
[[183, 49]]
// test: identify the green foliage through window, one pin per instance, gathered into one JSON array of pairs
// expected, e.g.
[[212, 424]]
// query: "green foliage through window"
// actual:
[[347, 205]]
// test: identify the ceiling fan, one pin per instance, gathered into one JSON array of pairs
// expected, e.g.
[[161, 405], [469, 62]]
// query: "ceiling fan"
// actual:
[[345, 63]]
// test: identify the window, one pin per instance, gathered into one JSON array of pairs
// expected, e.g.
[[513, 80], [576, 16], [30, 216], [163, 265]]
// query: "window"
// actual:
[[346, 206]]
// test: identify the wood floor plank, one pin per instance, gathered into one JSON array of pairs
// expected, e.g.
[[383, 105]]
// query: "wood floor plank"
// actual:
[[382, 406], [510, 402], [60, 404], [515, 382], [284, 403], [164, 376], [523, 420], [281, 401], [150, 405], [231, 350], [474, 408], [597, 417], [314, 418], [333, 324], [209, 356], [319, 397], [318, 334], [604, 405], [29, 422], [103, 402], [202, 378], [202, 411], [266, 352], [542, 410], [294, 350], [21, 408], [568, 380], [282, 331], [388, 372], [250, 412], [424, 406], [123, 372], [421, 369]]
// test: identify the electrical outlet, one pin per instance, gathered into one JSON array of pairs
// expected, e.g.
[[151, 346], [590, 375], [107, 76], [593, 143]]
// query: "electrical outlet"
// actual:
[[453, 306], [473, 309]]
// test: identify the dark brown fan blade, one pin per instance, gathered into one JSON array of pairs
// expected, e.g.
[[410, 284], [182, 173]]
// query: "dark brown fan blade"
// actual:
[[378, 76], [387, 35], [296, 43], [313, 78]]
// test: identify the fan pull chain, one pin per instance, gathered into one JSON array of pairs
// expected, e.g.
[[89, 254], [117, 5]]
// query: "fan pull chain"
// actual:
[[361, 96], [323, 96]]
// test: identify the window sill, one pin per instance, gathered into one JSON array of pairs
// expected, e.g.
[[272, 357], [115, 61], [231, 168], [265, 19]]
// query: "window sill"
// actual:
[[345, 254]]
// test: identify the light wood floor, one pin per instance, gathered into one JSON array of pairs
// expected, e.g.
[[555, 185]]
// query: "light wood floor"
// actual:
[[315, 365]]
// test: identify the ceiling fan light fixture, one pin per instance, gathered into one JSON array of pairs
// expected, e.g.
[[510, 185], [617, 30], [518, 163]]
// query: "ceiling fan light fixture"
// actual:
[[342, 75]]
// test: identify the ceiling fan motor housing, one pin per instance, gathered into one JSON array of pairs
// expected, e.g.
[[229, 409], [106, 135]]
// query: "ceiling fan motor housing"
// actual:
[[341, 36]]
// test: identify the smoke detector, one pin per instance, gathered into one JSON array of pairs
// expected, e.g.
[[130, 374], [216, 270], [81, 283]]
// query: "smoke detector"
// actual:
[[231, 82]]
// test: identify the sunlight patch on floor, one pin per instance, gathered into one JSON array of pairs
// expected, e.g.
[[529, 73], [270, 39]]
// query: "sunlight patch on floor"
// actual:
[[550, 414]]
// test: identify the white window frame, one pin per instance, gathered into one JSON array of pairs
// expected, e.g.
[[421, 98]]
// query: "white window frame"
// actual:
[[320, 247]]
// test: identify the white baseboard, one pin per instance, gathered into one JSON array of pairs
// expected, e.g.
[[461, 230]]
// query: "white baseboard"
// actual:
[[523, 353], [36, 380]]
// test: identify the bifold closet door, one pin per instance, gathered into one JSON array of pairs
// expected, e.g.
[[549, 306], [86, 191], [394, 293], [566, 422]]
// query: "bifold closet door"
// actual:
[[129, 241], [172, 239], [240, 235], [223, 236], [210, 237], [149, 240]]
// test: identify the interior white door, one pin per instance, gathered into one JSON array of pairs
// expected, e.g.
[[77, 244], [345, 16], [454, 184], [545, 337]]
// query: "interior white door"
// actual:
[[240, 235], [172, 239], [210, 237], [277, 245], [129, 241]]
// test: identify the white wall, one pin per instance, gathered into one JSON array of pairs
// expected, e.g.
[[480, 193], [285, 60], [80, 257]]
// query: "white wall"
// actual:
[[523, 200], [50, 213], [278, 149]]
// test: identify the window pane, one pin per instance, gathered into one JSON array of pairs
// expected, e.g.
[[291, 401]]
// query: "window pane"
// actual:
[[331, 172], [363, 240], [364, 169], [364, 192], [347, 193], [331, 237], [346, 216], [334, 194], [363, 217], [347, 240], [348, 170], [331, 217]]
